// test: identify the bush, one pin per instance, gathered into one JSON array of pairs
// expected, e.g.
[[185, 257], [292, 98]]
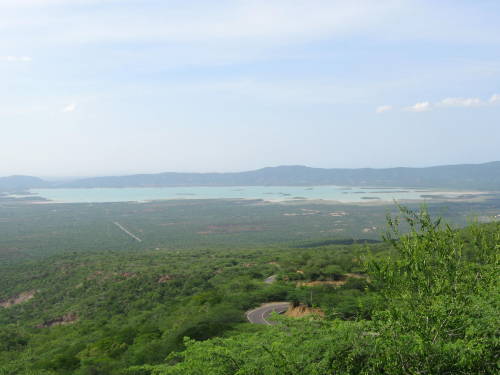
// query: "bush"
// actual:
[[435, 312]]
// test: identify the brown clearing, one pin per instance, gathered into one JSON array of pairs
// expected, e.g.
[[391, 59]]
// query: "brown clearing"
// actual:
[[164, 278], [303, 310], [128, 275], [231, 228], [341, 282], [355, 275], [94, 275], [326, 282], [61, 321], [23, 297]]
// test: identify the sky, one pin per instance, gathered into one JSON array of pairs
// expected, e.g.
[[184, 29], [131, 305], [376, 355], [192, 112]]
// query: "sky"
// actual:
[[110, 87]]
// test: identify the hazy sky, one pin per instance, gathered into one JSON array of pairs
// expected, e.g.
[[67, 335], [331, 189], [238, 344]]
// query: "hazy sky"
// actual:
[[93, 87]]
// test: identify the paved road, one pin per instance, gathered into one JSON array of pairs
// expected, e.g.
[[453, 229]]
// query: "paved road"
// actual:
[[260, 314], [127, 232]]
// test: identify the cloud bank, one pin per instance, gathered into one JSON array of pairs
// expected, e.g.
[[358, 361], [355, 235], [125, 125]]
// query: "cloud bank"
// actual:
[[383, 108], [495, 99], [461, 102], [419, 107], [69, 108], [14, 59], [445, 103]]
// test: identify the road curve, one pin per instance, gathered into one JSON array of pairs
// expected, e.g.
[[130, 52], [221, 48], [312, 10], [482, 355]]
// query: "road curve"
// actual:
[[261, 314]]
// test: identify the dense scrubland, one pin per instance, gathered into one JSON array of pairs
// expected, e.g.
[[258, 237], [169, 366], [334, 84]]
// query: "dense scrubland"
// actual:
[[421, 302], [30, 231], [107, 312]]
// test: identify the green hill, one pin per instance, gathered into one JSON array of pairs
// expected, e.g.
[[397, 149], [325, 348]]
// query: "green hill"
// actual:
[[467, 176], [464, 176], [425, 302], [15, 183]]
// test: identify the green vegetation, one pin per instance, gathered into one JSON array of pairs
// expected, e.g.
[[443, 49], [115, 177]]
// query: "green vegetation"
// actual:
[[37, 230], [101, 313], [436, 312], [424, 302]]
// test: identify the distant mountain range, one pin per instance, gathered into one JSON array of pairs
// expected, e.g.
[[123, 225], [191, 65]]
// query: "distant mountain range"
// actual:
[[13, 183], [465, 176]]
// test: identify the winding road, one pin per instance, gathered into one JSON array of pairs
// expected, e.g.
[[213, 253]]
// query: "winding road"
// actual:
[[261, 314]]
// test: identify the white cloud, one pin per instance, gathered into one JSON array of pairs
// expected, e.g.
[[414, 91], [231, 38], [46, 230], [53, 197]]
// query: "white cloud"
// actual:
[[461, 102], [383, 108], [495, 99], [420, 107], [16, 58], [448, 102], [69, 108]]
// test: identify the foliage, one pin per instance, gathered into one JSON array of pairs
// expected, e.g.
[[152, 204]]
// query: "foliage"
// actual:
[[436, 313], [428, 305], [29, 231]]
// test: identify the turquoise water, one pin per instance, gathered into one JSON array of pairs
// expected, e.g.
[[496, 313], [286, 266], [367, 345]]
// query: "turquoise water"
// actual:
[[269, 193]]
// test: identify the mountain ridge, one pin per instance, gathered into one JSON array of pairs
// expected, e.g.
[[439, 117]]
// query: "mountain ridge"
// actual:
[[485, 176]]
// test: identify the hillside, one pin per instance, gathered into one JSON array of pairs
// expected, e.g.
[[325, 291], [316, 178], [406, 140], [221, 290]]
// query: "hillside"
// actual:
[[416, 306], [13, 183], [467, 176]]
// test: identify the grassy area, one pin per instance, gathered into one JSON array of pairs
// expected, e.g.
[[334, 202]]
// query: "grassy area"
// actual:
[[28, 230], [79, 295]]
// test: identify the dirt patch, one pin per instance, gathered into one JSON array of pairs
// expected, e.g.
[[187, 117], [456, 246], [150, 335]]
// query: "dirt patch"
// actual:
[[303, 310], [164, 278], [128, 275], [317, 283], [355, 276], [95, 275], [305, 212], [61, 321], [340, 282], [337, 214], [231, 228], [23, 297]]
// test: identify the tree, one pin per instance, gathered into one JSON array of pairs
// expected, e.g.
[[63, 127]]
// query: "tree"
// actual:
[[436, 313]]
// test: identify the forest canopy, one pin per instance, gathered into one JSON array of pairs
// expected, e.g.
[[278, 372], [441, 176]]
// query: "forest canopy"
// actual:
[[424, 301]]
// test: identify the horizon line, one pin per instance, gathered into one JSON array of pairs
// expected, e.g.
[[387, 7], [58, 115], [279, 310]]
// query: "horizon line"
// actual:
[[67, 177]]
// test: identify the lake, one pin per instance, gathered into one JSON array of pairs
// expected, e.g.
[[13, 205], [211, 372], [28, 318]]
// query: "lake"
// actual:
[[268, 193]]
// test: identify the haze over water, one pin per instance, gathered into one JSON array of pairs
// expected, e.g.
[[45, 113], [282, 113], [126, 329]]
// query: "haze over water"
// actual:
[[268, 193]]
